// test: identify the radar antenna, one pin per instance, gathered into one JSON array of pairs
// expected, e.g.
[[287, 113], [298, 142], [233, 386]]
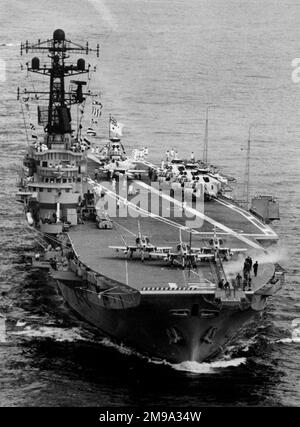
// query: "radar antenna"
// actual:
[[57, 116]]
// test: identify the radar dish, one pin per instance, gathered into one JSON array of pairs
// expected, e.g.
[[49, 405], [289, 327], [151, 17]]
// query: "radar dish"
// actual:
[[59, 35]]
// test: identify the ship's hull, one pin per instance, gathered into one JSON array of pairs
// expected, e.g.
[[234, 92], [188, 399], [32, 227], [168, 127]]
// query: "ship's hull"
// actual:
[[152, 330]]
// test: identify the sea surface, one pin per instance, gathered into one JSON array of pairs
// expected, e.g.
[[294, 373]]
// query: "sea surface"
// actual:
[[162, 62]]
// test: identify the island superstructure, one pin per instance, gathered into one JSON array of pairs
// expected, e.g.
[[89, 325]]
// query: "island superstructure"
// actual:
[[155, 256]]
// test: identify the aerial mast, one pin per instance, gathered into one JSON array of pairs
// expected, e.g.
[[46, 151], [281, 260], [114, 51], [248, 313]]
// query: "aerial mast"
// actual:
[[247, 172], [57, 118], [205, 144]]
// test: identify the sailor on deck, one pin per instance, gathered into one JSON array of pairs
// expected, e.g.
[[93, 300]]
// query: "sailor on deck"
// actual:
[[238, 280], [255, 268], [221, 284], [131, 190]]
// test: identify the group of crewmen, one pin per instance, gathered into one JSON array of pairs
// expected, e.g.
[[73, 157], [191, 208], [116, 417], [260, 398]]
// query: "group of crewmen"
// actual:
[[248, 264], [79, 147], [40, 147], [173, 155], [240, 282]]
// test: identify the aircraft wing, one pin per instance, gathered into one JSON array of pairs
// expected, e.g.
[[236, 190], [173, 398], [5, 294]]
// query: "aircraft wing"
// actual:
[[94, 158], [123, 248], [119, 248], [207, 251], [164, 248], [159, 254], [149, 248], [136, 170], [237, 249]]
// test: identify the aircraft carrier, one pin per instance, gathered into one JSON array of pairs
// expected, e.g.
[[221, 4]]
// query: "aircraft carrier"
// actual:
[[157, 257]]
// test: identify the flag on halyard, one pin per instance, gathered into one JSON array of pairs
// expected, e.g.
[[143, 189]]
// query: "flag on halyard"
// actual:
[[96, 108], [86, 141], [115, 127], [90, 131]]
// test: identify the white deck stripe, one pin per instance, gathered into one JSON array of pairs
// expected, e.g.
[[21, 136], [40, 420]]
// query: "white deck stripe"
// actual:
[[201, 215], [264, 228], [187, 208]]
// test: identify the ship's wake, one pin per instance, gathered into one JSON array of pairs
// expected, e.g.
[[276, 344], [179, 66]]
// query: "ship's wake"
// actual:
[[55, 333], [289, 340], [295, 333], [208, 367], [34, 329]]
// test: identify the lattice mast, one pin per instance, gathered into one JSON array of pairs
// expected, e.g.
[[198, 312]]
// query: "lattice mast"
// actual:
[[59, 100]]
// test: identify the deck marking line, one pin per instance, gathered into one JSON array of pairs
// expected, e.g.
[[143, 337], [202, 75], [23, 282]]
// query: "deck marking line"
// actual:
[[202, 216]]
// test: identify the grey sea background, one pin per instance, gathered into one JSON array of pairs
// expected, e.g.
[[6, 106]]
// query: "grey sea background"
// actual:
[[161, 64]]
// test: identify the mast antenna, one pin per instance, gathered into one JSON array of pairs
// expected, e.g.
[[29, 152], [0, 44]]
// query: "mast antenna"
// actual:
[[247, 171], [56, 118], [205, 143]]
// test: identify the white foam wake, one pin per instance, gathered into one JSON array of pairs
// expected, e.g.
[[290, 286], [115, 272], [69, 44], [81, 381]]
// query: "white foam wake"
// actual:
[[289, 340], [188, 366], [2, 329], [295, 333], [208, 368], [121, 348], [59, 334], [56, 333]]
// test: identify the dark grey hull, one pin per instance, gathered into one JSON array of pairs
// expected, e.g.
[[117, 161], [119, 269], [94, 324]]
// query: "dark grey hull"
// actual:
[[152, 329]]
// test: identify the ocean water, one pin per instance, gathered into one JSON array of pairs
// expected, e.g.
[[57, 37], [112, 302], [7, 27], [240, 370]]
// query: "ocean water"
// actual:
[[161, 64]]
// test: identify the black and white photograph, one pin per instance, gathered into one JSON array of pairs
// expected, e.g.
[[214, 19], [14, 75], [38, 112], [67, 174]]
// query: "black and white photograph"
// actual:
[[149, 206]]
